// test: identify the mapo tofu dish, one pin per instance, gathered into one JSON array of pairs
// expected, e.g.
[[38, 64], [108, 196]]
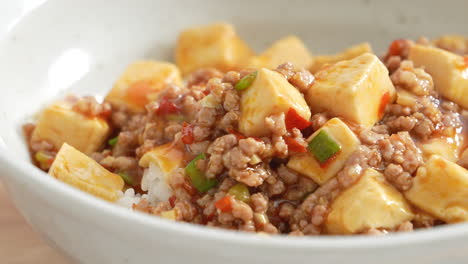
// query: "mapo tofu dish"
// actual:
[[280, 142]]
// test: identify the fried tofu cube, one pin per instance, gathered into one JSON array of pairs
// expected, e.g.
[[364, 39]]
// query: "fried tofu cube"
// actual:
[[454, 43], [270, 93], [211, 46], [356, 90], [166, 156], [288, 49], [444, 146], [448, 70], [141, 82], [75, 168], [370, 203], [308, 165], [347, 54], [441, 189], [160, 161], [59, 124]]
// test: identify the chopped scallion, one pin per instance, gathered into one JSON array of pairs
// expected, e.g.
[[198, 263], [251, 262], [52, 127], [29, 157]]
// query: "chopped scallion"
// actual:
[[113, 141], [245, 82], [128, 179], [323, 147]]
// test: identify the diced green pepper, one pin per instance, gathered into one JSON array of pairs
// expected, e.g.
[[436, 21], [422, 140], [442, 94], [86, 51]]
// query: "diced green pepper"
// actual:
[[175, 117], [240, 192], [113, 141], [128, 179], [323, 147], [198, 178], [245, 82]]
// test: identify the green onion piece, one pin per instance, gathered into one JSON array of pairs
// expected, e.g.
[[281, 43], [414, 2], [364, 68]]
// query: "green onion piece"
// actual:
[[245, 82], [42, 157], [127, 178], [198, 178], [174, 117], [323, 146], [113, 141], [240, 192]]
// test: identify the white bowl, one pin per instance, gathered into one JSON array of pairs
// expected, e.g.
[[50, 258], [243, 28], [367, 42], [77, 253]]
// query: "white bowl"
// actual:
[[48, 48]]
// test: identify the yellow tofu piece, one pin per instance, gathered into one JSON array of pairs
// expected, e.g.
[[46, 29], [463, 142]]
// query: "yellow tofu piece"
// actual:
[[347, 54], [353, 89], [141, 82], [75, 168], [59, 124], [453, 43], [448, 70], [370, 203], [445, 147], [166, 157], [216, 46], [288, 49], [441, 189], [308, 165], [270, 93]]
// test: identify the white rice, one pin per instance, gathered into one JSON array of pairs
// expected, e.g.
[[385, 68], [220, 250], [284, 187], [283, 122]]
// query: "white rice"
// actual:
[[129, 198], [154, 181]]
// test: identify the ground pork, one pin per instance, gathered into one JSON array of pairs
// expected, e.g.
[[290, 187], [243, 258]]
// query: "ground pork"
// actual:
[[318, 120], [413, 79], [216, 151]]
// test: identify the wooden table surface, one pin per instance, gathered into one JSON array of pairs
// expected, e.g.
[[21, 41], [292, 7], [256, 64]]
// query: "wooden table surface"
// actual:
[[18, 242]]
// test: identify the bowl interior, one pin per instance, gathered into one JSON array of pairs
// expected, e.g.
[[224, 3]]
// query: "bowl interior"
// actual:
[[51, 48]]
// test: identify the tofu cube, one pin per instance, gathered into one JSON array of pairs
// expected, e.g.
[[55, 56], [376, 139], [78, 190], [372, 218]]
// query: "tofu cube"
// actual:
[[141, 82], [288, 49], [76, 169], [166, 156], [370, 203], [308, 165], [453, 43], [59, 124], [356, 90], [347, 54], [270, 93], [211, 46], [160, 161], [448, 70], [443, 146], [441, 189]]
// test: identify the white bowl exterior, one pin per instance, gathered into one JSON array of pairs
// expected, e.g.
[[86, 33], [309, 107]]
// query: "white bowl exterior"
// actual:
[[48, 48]]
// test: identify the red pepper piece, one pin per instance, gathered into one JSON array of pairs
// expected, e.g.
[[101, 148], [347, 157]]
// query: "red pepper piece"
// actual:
[[187, 134], [293, 145], [166, 107], [224, 205], [172, 200], [383, 103], [396, 48], [294, 120]]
